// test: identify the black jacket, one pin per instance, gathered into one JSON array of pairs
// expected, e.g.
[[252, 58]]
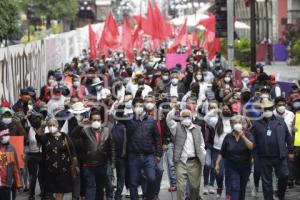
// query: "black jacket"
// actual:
[[143, 136], [92, 153]]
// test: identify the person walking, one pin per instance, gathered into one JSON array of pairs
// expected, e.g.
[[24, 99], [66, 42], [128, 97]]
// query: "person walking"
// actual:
[[274, 147], [189, 153], [236, 151]]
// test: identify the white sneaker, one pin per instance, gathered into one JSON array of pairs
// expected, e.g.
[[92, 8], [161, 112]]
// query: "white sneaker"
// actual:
[[218, 196], [212, 190], [254, 192], [127, 194], [205, 190], [140, 191]]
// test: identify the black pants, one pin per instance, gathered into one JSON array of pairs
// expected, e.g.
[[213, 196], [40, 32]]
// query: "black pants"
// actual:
[[282, 172], [297, 166], [5, 193], [35, 169]]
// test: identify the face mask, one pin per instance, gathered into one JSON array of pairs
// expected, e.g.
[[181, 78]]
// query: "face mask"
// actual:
[[227, 79], [5, 139], [281, 109], [53, 129], [267, 114], [296, 105], [175, 81], [149, 106], [79, 118], [51, 82], [128, 104], [30, 107], [150, 76], [246, 80], [186, 122], [98, 88], [96, 125], [7, 120], [76, 83], [138, 110], [165, 78], [264, 96], [226, 113], [198, 77], [238, 127]]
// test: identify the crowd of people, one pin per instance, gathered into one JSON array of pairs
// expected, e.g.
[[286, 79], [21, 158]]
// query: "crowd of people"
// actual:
[[101, 128]]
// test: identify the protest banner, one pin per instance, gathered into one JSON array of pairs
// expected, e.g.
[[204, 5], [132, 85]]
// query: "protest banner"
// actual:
[[297, 134], [172, 59], [18, 143]]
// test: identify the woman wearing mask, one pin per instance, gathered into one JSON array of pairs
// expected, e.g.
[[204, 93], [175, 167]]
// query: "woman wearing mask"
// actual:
[[58, 157], [236, 151], [47, 89], [221, 123], [199, 78], [9, 169]]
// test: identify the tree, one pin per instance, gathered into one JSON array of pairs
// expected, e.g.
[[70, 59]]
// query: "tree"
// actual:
[[9, 19], [53, 9]]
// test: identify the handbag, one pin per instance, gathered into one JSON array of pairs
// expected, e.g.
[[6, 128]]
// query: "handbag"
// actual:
[[74, 171]]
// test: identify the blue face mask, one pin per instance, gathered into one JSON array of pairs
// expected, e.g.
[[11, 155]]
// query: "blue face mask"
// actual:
[[296, 105], [5, 139], [7, 120]]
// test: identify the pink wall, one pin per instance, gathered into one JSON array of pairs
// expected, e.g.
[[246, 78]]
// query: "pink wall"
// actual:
[[282, 13]]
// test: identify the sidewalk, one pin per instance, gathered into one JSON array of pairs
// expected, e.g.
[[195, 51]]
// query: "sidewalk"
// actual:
[[283, 72]]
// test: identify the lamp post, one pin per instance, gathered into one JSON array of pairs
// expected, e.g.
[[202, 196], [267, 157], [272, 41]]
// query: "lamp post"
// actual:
[[253, 35], [267, 60]]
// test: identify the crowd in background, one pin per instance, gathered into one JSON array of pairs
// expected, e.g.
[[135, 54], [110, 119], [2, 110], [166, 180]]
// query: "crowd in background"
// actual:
[[101, 128]]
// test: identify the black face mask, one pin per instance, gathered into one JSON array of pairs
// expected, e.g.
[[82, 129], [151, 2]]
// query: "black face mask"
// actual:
[[227, 113]]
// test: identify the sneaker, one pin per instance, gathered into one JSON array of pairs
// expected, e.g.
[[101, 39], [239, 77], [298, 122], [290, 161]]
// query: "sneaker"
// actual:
[[212, 190], [127, 194], [205, 190], [254, 192], [140, 191], [218, 196]]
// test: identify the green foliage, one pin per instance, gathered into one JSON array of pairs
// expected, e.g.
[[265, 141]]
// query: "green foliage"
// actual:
[[54, 9], [296, 51], [224, 47], [242, 52], [9, 19]]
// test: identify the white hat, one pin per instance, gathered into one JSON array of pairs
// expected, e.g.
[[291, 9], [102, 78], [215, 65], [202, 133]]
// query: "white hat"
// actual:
[[139, 58], [96, 81], [78, 108]]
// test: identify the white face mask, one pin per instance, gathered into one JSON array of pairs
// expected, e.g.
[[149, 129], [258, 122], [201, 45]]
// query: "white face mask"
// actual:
[[238, 127], [76, 83], [267, 114], [128, 104], [30, 107], [227, 79], [5, 139], [246, 80], [281, 109], [175, 81], [165, 78], [96, 125], [53, 129], [264, 96], [186, 122], [79, 118], [98, 87], [138, 110], [7, 120], [149, 106], [51, 82]]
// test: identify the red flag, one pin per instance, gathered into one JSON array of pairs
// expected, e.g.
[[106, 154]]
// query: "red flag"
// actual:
[[127, 39], [178, 39], [110, 35], [93, 42], [211, 43], [164, 29]]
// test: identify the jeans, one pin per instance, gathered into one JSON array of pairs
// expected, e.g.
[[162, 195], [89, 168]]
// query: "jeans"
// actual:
[[109, 190], [170, 164], [208, 171], [159, 175], [238, 176], [35, 169], [220, 176], [147, 163], [282, 172], [121, 171], [95, 179], [256, 173]]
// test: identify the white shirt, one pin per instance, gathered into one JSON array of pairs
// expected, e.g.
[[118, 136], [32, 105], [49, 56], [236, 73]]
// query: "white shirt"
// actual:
[[288, 117], [173, 90], [55, 106], [103, 93], [218, 139], [188, 147]]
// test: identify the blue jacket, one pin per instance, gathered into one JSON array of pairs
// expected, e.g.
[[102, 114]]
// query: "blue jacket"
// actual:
[[143, 136], [279, 128], [118, 133]]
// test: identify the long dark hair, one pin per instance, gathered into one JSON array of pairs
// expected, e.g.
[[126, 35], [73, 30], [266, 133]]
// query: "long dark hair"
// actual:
[[219, 126]]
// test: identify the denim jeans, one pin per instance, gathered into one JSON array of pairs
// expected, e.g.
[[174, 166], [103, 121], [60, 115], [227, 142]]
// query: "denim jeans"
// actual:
[[256, 173], [109, 190], [147, 163], [35, 169], [170, 164], [281, 171], [95, 179], [208, 171], [121, 172], [220, 176], [238, 176], [159, 175]]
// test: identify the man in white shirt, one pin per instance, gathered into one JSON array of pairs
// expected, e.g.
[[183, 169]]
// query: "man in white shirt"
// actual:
[[189, 153]]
